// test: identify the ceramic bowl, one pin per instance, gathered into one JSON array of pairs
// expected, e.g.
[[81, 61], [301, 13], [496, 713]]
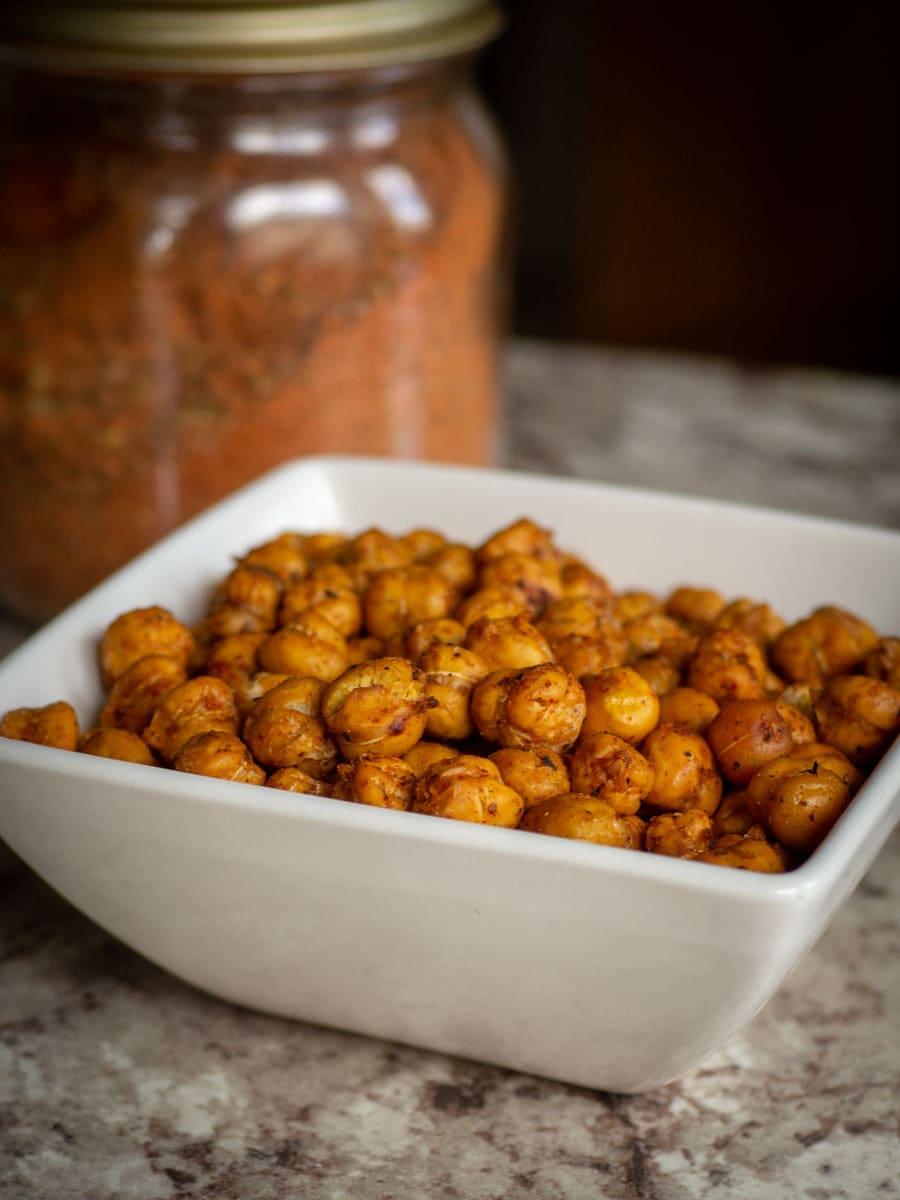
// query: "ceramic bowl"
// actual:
[[602, 967]]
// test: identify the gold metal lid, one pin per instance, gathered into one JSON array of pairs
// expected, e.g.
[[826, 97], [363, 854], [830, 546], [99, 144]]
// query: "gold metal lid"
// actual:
[[218, 36]]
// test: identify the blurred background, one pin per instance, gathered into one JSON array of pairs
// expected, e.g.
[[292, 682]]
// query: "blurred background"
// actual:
[[712, 178]]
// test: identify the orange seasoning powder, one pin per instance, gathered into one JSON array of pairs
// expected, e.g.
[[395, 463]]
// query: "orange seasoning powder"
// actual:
[[197, 283]]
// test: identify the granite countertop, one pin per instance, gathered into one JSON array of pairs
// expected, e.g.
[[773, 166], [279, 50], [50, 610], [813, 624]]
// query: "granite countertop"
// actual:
[[118, 1081]]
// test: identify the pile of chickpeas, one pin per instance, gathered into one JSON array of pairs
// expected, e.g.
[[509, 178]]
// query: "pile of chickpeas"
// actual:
[[505, 684]]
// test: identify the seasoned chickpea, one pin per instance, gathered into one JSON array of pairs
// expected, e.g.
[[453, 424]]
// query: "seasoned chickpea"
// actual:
[[698, 608], [507, 642], [662, 675], [538, 705], [606, 766], [733, 814], [372, 551], [536, 774], [311, 646], [121, 744], [468, 788], [284, 556], [746, 853], [220, 756], [883, 661], [489, 602], [294, 779], [758, 620], [728, 665], [659, 636], [679, 834], [536, 580], [399, 597], [378, 707], [583, 656], [137, 691], [381, 781], [284, 728], [803, 807], [748, 733], [520, 537], [457, 565], [246, 601], [585, 818], [53, 724], [362, 649], [579, 615], [619, 701], [630, 605], [340, 605], [233, 658], [813, 758], [423, 543], [829, 642], [580, 580], [684, 770], [324, 547], [249, 690], [858, 715], [449, 674], [686, 706], [437, 631], [198, 705], [424, 754], [140, 632]]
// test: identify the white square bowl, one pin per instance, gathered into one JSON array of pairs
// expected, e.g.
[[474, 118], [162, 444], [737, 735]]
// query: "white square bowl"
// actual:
[[601, 967]]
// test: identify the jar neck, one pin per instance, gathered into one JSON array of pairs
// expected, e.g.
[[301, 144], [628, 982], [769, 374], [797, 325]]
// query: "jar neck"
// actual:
[[269, 114]]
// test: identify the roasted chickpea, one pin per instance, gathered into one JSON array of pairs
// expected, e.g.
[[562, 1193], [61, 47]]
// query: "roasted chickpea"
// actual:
[[399, 597], [340, 605], [748, 733], [659, 636], [578, 579], [536, 774], [746, 854], [381, 781], [686, 706], [219, 755], [858, 715], [246, 601], [293, 779], [662, 675], [585, 818], [284, 556], [728, 665], [311, 646], [324, 547], [489, 602], [137, 691], [120, 744], [247, 692], [424, 754], [198, 705], [362, 649], [520, 537], [804, 806], [507, 642], [581, 616], [630, 605], [233, 658], [582, 656], [284, 728], [883, 661], [377, 707], [619, 701], [423, 543], [53, 724], [457, 565], [684, 770], [829, 642], [372, 551], [606, 766], [536, 580], [733, 814], [758, 620], [437, 631], [679, 834], [468, 788], [538, 705], [813, 759], [449, 674], [697, 608], [140, 632]]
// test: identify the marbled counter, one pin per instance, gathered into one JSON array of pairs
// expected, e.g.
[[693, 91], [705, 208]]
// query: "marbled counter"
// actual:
[[117, 1081]]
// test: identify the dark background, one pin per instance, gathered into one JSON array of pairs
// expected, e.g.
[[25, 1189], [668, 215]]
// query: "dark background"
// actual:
[[712, 178]]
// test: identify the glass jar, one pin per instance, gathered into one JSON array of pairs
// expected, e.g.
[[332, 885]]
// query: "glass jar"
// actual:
[[229, 242]]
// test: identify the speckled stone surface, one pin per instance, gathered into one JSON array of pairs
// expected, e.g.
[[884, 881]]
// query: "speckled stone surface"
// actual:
[[118, 1081]]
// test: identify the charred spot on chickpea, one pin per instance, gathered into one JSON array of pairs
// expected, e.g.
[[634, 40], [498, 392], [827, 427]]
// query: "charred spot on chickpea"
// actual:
[[504, 684]]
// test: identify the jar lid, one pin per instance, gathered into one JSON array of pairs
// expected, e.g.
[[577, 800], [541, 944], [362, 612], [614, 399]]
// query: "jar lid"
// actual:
[[218, 36]]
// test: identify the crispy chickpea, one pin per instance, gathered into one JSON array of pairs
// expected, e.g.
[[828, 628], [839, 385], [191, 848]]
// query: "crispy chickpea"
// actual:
[[284, 556], [803, 807], [585, 818], [748, 733], [520, 537], [457, 565], [489, 602], [339, 604], [381, 781], [582, 656], [813, 758], [437, 631], [686, 706], [137, 691], [233, 658], [249, 690], [697, 608], [684, 770], [140, 632], [220, 756], [619, 701], [449, 674], [538, 705], [284, 728], [679, 834], [377, 707], [246, 601], [883, 661], [659, 636], [399, 597], [662, 674], [536, 774], [580, 615], [424, 754], [121, 744], [630, 605], [829, 642], [468, 788], [198, 705], [858, 715], [758, 620], [54, 724], [295, 779], [364, 649], [423, 543], [733, 814], [311, 646], [606, 766], [324, 547], [580, 580], [507, 642], [536, 580], [746, 854], [372, 551], [728, 665]]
